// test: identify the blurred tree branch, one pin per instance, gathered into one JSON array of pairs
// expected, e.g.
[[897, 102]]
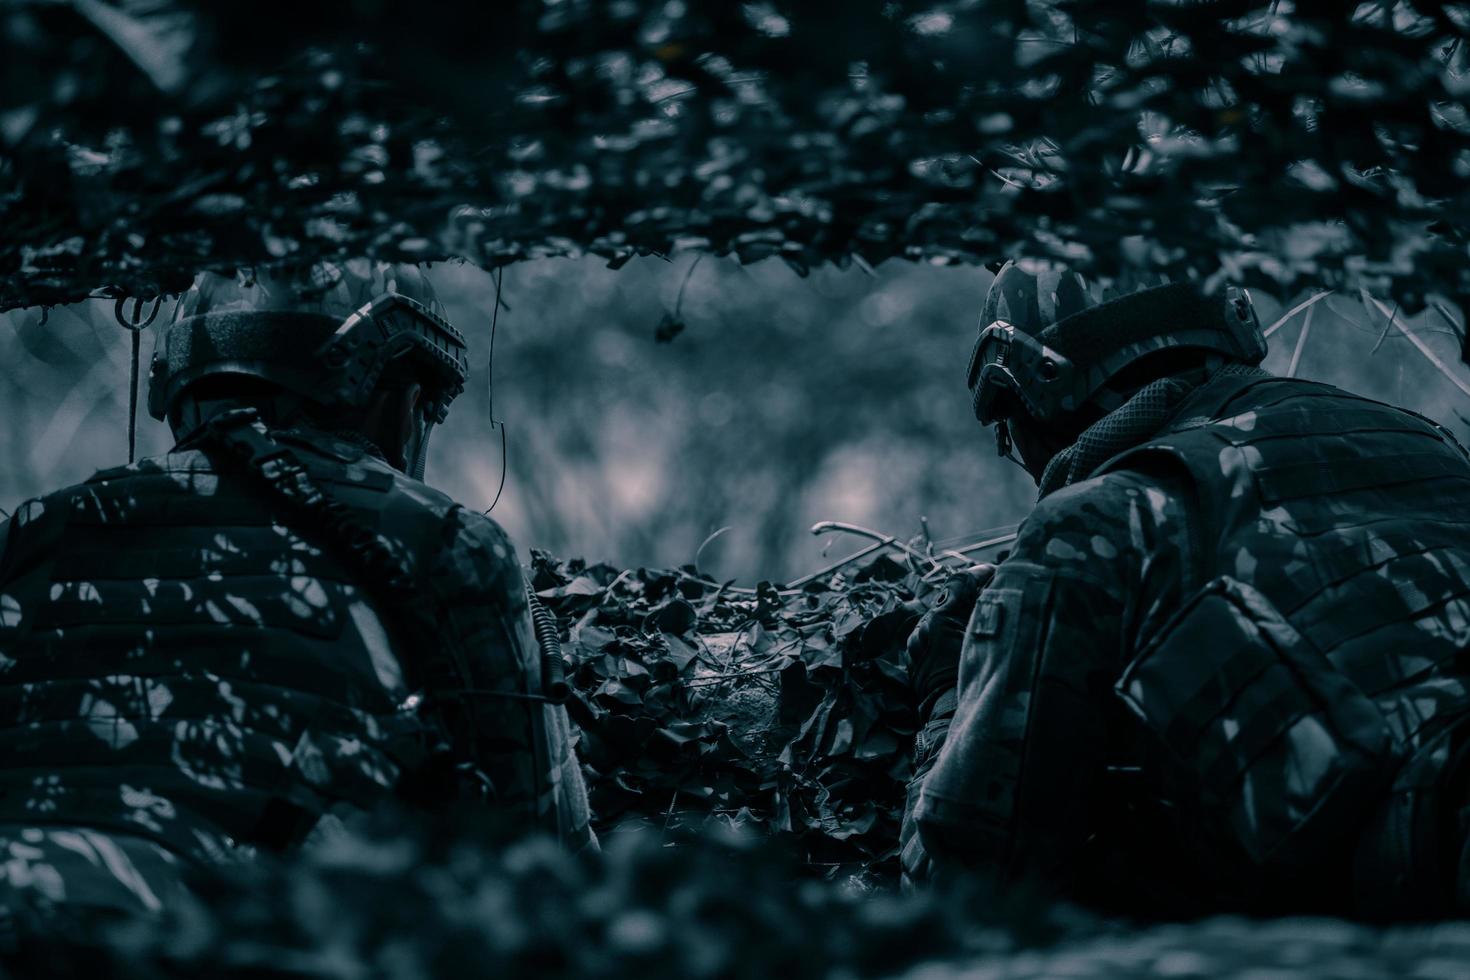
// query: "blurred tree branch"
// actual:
[[1310, 140]]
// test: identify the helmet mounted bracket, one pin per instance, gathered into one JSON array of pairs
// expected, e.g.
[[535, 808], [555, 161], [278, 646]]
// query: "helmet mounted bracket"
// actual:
[[1010, 369], [381, 329]]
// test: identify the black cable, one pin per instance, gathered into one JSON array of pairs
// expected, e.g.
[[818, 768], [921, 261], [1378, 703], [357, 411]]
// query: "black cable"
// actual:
[[503, 466], [494, 323], [133, 398], [135, 325], [554, 684], [504, 453]]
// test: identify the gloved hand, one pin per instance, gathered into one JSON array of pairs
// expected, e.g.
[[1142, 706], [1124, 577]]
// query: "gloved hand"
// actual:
[[934, 646]]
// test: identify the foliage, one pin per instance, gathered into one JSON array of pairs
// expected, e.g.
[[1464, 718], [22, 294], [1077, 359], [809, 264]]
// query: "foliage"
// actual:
[[746, 751], [743, 879], [402, 901], [1284, 139], [393, 902], [784, 712]]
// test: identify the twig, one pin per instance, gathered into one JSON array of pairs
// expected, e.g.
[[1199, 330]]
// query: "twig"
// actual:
[[607, 590], [1294, 311], [766, 665], [886, 539], [708, 679], [981, 534], [777, 654], [880, 541], [1005, 180], [1387, 325], [828, 569], [705, 654], [705, 543], [725, 587], [988, 543], [679, 299], [1419, 345], [1454, 324], [1301, 343]]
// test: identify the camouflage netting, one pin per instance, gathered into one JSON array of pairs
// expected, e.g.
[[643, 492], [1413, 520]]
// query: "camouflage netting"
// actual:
[[783, 712], [745, 750], [1308, 140]]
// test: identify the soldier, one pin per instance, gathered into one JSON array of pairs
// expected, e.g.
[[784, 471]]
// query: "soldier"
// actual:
[[1225, 664], [276, 624]]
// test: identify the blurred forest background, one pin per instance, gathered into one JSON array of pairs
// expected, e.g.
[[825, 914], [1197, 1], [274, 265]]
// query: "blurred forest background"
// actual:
[[743, 243], [784, 400], [741, 246]]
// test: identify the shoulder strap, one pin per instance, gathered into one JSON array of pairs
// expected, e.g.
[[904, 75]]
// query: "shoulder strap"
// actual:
[[385, 571], [246, 438], [386, 568]]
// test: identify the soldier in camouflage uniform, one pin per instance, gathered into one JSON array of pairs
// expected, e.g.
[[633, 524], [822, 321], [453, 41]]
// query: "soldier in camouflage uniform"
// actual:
[[1225, 664], [277, 624]]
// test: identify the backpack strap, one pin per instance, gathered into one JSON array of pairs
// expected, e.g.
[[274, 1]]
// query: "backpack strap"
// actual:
[[385, 570]]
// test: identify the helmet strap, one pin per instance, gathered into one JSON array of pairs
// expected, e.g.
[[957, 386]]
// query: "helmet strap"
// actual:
[[1003, 444], [420, 456], [1004, 447]]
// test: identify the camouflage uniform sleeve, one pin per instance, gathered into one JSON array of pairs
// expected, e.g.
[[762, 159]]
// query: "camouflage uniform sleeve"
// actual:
[[1011, 781], [526, 746]]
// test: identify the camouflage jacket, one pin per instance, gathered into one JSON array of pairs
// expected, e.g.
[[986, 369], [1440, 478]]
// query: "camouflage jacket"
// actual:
[[187, 671], [1225, 670]]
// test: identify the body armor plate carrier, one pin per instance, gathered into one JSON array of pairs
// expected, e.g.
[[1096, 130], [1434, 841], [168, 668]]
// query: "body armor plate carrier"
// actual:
[[1314, 689], [193, 657]]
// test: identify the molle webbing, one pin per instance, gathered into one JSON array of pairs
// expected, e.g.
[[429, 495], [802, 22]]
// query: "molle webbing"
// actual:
[[1289, 481], [1352, 519], [438, 668], [1350, 514]]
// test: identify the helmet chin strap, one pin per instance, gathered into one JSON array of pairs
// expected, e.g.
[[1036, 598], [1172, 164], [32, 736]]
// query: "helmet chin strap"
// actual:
[[1005, 446], [420, 452]]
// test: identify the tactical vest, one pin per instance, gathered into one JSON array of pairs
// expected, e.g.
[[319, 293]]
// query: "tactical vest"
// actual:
[[177, 661], [1314, 683]]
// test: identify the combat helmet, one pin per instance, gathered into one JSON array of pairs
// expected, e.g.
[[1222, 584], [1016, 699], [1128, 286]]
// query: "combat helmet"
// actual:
[[1050, 342], [322, 332]]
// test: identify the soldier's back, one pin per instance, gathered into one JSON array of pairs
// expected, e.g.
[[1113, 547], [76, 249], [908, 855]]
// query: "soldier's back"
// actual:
[[1317, 665], [189, 670]]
